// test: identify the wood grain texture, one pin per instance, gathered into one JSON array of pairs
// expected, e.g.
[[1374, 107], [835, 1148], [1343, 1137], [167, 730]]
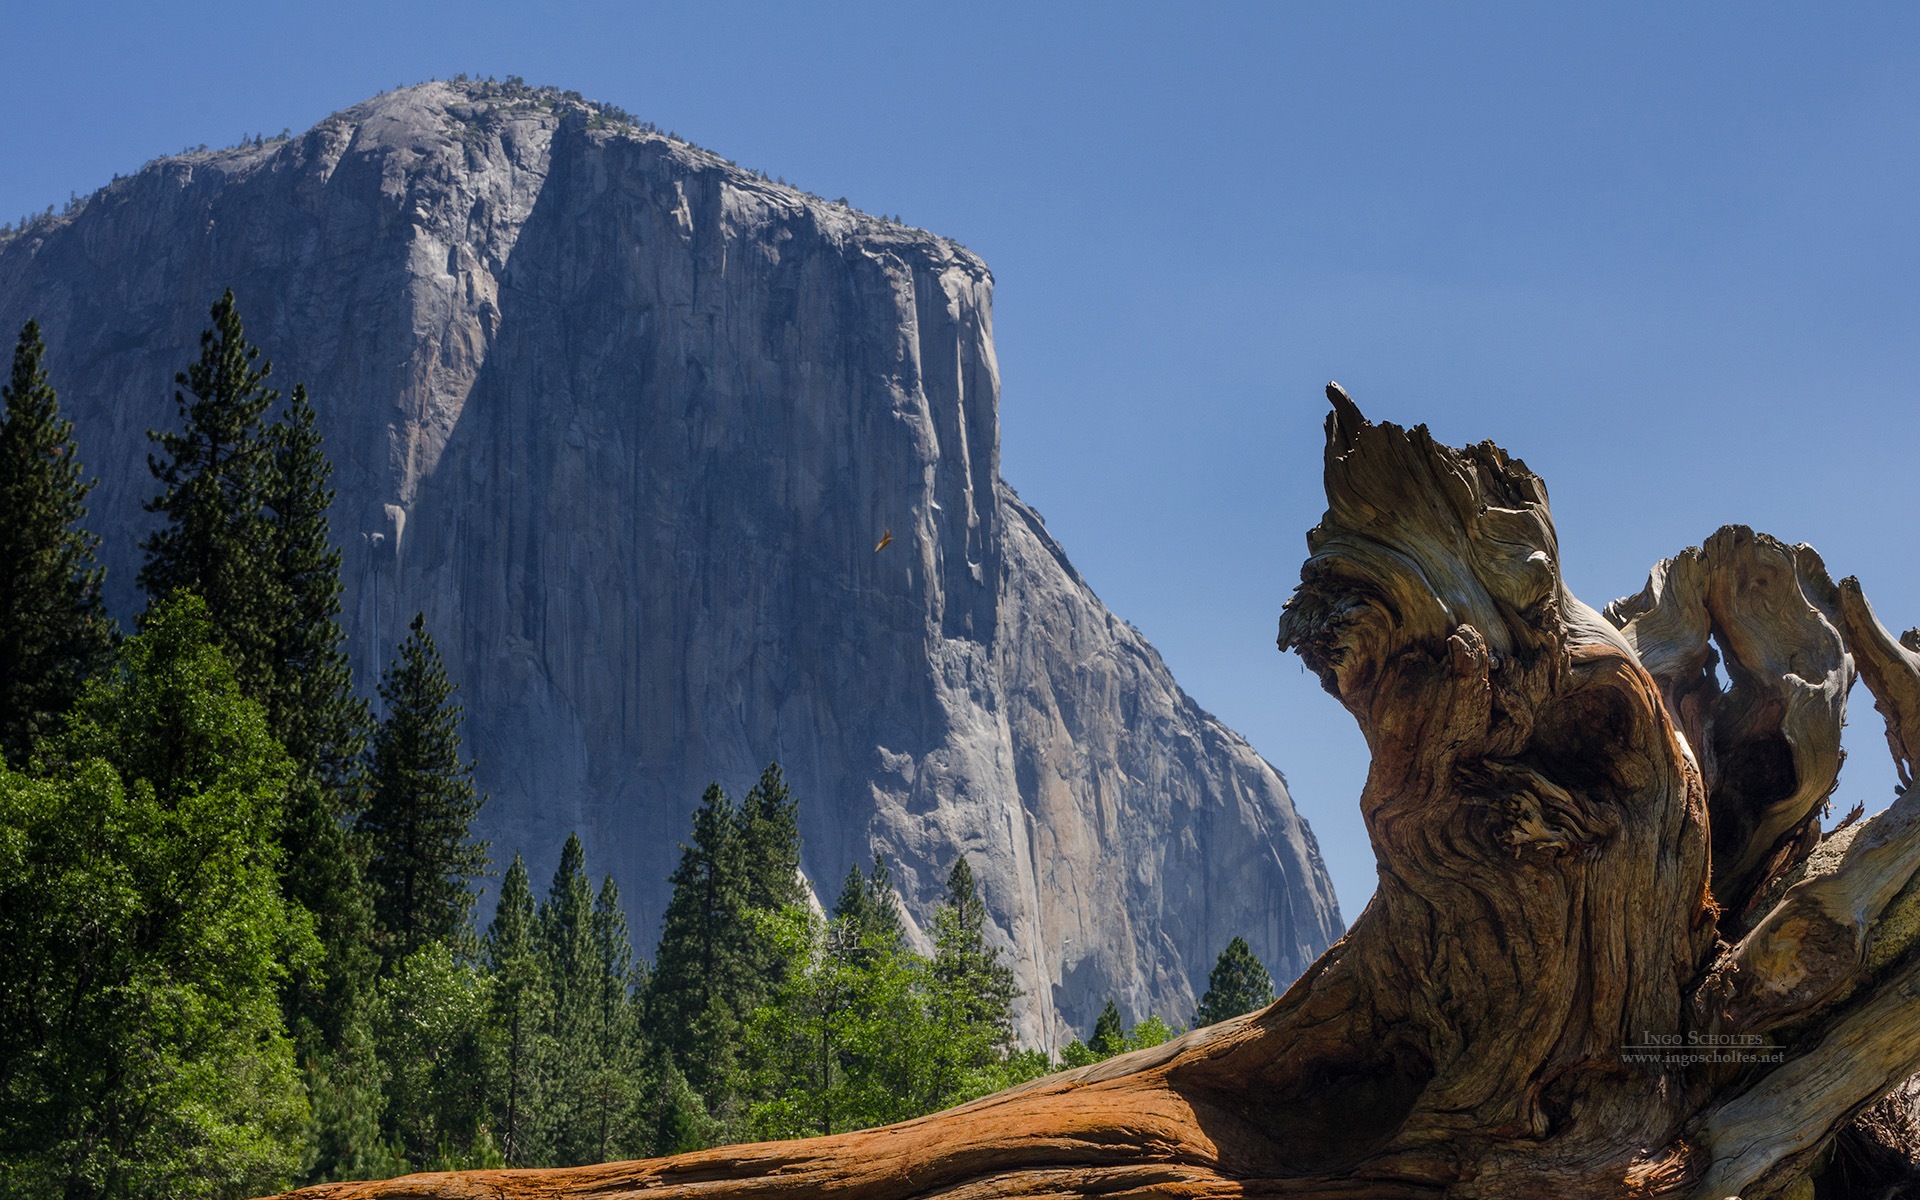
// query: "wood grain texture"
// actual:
[[1587, 847]]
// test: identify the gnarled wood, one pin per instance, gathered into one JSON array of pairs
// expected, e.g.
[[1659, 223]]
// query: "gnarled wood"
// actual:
[[1768, 746], [1570, 815]]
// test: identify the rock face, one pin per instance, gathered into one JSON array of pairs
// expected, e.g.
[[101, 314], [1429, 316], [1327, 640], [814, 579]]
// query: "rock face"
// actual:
[[627, 422]]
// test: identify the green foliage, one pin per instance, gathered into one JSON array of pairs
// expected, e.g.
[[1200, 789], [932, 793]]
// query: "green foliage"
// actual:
[[573, 967], [214, 473], [675, 1116], [347, 1091], [1150, 1032], [1238, 984], [54, 632], [870, 908], [1109, 1035], [710, 971], [246, 528], [838, 1045], [1076, 1054], [770, 842], [520, 1013], [143, 937], [972, 997], [431, 1030], [420, 807], [310, 701], [863, 1032], [612, 1094]]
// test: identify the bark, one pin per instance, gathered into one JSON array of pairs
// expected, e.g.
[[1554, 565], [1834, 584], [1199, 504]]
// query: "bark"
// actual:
[[1587, 847]]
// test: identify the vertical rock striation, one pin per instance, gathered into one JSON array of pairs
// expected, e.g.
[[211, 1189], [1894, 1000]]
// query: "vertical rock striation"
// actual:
[[627, 421]]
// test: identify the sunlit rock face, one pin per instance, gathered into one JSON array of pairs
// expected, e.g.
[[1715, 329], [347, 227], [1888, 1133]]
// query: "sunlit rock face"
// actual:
[[627, 422]]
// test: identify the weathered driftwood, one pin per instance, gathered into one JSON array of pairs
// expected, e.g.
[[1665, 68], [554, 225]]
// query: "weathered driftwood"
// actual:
[[1595, 863]]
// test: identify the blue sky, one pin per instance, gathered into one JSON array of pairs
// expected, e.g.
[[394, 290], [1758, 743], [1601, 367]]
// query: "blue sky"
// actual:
[[1667, 254]]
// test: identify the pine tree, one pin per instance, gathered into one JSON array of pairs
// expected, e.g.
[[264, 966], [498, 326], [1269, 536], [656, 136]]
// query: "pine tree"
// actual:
[[973, 991], [770, 836], [310, 700], [309, 697], [616, 1050], [1109, 1034], [521, 1005], [870, 908], [54, 631], [217, 541], [566, 940], [1238, 984], [420, 806], [717, 960], [703, 981]]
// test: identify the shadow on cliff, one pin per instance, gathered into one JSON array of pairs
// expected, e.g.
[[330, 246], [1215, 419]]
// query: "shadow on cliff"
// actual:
[[647, 549]]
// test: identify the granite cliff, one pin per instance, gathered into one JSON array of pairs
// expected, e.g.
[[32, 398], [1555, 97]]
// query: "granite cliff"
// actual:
[[626, 421]]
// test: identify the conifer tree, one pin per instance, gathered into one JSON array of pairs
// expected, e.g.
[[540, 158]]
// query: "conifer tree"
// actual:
[[420, 806], [1239, 983], [770, 836], [54, 631], [217, 541], [1109, 1034], [310, 700], [616, 1049], [566, 939], [717, 960], [870, 908], [566, 929], [704, 982], [521, 1008], [972, 991]]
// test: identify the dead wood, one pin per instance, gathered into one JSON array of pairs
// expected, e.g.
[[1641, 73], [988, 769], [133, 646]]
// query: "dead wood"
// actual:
[[1609, 954]]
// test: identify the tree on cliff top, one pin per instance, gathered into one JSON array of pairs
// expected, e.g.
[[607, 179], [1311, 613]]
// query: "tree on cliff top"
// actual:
[[420, 806], [54, 630]]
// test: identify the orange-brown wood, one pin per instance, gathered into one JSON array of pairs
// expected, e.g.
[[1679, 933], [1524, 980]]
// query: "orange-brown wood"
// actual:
[[1549, 792]]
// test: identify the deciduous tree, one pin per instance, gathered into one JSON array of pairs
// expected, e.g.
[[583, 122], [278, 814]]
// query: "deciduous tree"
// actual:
[[144, 938]]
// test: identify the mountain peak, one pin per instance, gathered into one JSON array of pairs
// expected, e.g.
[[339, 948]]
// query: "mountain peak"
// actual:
[[626, 422]]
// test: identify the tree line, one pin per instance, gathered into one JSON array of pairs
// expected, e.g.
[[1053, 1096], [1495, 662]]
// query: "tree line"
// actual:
[[237, 942]]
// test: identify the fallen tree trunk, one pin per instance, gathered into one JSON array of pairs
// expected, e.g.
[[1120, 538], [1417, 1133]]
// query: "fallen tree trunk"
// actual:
[[1610, 952]]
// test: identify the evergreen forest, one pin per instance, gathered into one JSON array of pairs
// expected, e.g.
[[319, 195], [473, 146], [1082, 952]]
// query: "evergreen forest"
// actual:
[[239, 945]]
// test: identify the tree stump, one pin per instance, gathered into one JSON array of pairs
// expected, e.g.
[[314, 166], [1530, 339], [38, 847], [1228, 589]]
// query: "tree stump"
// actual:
[[1611, 952]]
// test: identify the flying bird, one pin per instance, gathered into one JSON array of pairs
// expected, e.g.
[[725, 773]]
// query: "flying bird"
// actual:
[[886, 539]]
